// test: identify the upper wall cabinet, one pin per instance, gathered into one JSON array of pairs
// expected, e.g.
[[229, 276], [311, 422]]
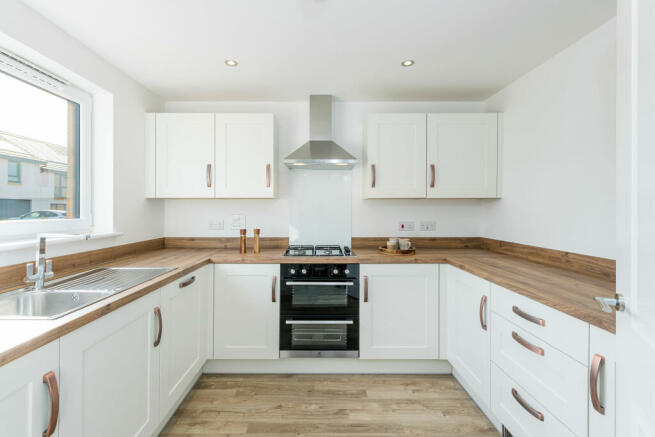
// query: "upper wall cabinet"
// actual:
[[431, 155], [245, 155], [462, 155], [395, 156], [184, 153], [210, 156]]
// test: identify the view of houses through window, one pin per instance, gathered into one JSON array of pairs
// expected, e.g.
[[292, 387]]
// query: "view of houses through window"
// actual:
[[39, 153]]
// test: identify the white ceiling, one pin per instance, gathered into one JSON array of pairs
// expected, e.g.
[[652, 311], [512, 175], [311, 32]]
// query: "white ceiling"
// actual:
[[287, 49]]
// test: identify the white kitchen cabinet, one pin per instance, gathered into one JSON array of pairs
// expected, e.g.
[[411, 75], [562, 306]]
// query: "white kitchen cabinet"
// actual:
[[555, 380], [469, 342], [186, 307], [394, 156], [246, 311], [110, 373], [462, 155], [399, 311], [602, 356], [210, 156], [520, 413], [184, 155], [245, 156], [25, 400]]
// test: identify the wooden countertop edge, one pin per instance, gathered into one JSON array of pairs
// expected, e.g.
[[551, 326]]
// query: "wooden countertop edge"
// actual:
[[217, 257], [119, 300]]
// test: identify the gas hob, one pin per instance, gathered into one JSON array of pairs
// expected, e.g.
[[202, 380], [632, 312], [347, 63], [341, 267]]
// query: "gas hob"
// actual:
[[323, 250]]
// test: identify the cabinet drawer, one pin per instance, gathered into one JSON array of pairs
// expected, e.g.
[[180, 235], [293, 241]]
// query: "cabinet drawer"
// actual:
[[560, 330], [511, 404], [554, 379]]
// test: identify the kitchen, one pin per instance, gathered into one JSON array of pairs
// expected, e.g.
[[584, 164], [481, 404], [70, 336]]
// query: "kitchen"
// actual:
[[314, 217]]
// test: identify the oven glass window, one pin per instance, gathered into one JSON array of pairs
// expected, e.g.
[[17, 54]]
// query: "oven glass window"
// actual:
[[319, 336], [319, 295]]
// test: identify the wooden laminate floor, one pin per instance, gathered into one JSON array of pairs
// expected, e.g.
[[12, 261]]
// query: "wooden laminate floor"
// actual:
[[328, 405]]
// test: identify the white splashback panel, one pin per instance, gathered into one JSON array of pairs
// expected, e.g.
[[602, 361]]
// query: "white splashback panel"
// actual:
[[320, 207]]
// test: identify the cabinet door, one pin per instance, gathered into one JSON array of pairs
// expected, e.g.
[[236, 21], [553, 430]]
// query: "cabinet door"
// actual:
[[602, 357], [394, 156], [247, 311], [398, 311], [25, 402], [245, 155], [185, 155], [110, 374], [462, 155], [184, 308], [468, 330]]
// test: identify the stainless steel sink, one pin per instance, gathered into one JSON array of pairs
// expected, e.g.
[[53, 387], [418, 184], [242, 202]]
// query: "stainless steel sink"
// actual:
[[65, 295]]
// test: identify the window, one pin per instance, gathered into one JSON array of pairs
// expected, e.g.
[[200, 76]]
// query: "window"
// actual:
[[13, 171], [44, 141]]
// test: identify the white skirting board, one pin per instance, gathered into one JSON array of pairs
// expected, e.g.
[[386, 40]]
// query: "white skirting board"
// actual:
[[485, 410], [329, 365]]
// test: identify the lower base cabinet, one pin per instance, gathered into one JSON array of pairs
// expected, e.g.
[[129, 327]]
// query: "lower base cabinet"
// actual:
[[520, 413], [26, 402], [247, 311], [399, 311], [602, 379], [110, 373], [469, 325], [186, 307]]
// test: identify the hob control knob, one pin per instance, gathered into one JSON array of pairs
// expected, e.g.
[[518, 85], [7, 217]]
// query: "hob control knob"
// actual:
[[335, 271], [346, 271], [303, 271], [292, 271]]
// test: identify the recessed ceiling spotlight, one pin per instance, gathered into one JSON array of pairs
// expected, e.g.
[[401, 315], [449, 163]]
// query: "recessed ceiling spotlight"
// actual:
[[407, 63], [231, 63]]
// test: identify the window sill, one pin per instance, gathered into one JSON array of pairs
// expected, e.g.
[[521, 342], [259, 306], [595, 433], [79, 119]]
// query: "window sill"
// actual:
[[31, 243]]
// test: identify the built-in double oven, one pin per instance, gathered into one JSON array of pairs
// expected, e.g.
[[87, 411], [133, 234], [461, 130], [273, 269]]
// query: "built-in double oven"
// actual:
[[319, 310]]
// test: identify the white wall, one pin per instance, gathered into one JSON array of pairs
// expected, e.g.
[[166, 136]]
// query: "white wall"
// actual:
[[369, 217], [559, 151], [121, 129]]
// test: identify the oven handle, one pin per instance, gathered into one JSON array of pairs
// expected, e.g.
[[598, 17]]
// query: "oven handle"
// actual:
[[319, 283], [319, 322]]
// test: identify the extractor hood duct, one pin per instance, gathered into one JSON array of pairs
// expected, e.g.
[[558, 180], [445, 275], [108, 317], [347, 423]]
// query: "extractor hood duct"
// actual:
[[320, 152]]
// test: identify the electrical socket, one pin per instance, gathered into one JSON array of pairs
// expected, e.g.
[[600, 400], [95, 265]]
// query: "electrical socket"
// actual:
[[428, 226], [406, 226], [216, 225], [238, 221]]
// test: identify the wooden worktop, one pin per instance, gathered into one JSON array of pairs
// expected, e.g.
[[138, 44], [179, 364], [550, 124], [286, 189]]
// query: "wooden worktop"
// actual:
[[566, 290]]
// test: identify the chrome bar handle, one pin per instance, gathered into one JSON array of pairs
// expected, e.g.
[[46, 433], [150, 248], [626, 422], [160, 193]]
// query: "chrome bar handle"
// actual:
[[607, 303], [483, 305], [188, 282], [160, 326], [527, 406], [519, 312], [526, 344], [50, 379], [318, 283], [596, 363], [433, 171], [319, 322]]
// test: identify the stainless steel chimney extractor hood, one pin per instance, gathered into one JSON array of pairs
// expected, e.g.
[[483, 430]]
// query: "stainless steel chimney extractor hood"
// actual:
[[320, 152]]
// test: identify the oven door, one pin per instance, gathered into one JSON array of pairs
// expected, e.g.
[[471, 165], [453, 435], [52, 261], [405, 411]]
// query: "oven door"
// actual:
[[319, 297], [319, 336]]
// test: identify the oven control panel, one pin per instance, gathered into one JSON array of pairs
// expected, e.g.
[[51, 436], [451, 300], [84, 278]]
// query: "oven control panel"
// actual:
[[320, 271]]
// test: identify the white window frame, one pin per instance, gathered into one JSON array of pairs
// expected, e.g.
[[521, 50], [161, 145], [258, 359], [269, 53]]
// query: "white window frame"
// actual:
[[34, 75]]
